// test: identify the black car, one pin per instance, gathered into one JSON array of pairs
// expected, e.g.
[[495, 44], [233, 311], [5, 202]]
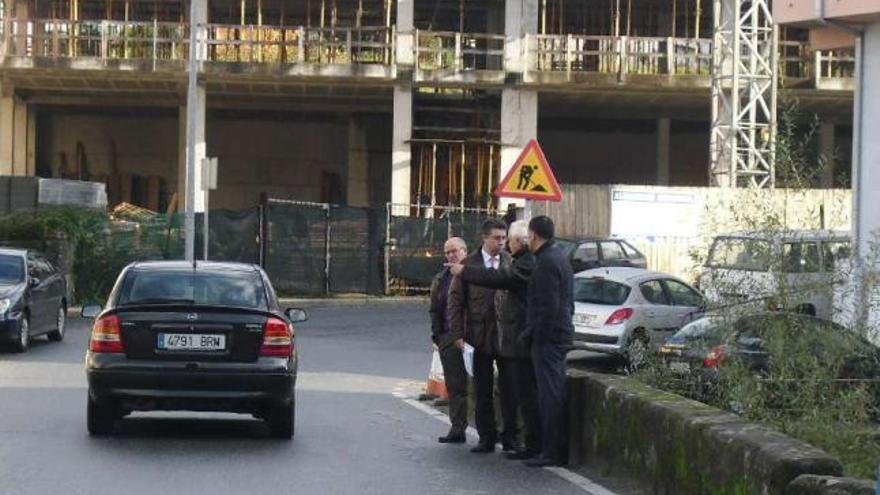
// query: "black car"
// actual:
[[33, 298], [586, 254], [707, 343], [184, 337]]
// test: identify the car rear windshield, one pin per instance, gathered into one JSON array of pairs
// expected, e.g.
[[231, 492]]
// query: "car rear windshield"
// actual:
[[233, 288], [600, 291], [740, 254], [11, 269]]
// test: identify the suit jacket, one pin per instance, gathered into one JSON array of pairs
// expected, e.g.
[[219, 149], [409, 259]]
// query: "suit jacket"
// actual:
[[511, 300], [551, 298], [471, 309], [440, 333]]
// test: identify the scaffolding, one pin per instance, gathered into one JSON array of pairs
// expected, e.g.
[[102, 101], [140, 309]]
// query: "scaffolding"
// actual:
[[744, 86]]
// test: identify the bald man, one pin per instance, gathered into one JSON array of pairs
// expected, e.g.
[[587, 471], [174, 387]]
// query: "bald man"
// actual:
[[450, 343]]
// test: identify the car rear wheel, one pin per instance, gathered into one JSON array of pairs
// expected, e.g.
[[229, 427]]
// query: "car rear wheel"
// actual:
[[282, 420], [57, 335], [24, 335], [100, 418]]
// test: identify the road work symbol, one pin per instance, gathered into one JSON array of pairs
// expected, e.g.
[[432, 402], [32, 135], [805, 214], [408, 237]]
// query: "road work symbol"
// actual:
[[530, 177]]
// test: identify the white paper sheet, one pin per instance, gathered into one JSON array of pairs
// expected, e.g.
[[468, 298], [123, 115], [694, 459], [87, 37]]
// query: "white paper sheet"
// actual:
[[468, 354]]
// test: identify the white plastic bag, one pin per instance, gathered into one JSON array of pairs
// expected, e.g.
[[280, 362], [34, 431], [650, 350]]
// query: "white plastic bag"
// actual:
[[436, 373], [468, 354]]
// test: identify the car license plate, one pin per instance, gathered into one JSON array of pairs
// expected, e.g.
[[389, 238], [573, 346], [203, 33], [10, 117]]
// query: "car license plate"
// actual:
[[680, 367], [585, 320], [191, 342]]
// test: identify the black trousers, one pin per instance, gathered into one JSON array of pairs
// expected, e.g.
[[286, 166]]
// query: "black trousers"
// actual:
[[508, 398], [549, 363], [484, 392], [456, 385], [527, 398]]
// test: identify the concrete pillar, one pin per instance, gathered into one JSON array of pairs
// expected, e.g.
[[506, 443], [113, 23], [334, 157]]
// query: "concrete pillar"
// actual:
[[520, 19], [20, 138], [358, 180], [866, 148], [401, 150], [519, 125], [7, 128], [827, 153], [405, 32], [31, 161], [663, 148]]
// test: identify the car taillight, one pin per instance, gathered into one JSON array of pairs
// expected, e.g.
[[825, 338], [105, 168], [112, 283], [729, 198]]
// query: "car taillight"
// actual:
[[277, 339], [715, 357], [619, 316], [106, 336]]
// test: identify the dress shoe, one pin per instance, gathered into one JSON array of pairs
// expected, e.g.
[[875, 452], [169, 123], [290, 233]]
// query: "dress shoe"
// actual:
[[523, 455], [511, 446], [484, 448], [541, 462], [453, 437]]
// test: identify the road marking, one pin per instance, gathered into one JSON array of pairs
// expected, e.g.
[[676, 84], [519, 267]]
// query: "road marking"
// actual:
[[577, 480]]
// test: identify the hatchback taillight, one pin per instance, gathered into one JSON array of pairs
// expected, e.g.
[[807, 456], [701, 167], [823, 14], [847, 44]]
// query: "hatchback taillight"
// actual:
[[619, 316], [277, 339], [106, 336]]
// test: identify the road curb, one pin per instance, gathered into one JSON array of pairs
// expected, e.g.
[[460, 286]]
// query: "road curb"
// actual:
[[352, 301]]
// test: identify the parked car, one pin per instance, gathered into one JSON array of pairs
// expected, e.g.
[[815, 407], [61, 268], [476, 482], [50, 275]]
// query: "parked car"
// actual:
[[33, 298], [706, 344], [630, 311], [586, 254], [209, 337], [750, 267]]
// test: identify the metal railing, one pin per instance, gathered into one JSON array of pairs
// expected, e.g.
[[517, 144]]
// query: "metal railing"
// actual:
[[220, 43], [434, 50], [439, 50], [619, 55]]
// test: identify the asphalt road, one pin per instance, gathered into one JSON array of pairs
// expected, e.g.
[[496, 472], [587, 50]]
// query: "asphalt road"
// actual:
[[353, 434]]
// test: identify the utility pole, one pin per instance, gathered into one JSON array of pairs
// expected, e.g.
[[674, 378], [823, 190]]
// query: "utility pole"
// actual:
[[191, 96]]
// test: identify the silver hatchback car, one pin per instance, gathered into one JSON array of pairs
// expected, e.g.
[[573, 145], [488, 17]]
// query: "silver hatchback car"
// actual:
[[630, 311]]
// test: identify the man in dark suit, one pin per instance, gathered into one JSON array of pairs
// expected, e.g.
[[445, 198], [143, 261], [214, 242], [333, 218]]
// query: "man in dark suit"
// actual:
[[450, 344], [511, 304], [550, 328], [472, 313]]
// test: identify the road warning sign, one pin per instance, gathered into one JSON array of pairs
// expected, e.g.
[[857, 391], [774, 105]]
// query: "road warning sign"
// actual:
[[530, 177]]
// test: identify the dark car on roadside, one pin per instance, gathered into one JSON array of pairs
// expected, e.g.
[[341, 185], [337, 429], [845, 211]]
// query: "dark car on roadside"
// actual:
[[599, 252], [704, 345], [178, 336], [33, 298]]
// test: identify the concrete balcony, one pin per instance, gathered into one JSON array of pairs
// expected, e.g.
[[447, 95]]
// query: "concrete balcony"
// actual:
[[55, 49], [161, 50]]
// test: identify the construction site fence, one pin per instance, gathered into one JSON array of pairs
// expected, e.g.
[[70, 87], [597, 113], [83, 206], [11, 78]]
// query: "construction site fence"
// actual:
[[415, 236]]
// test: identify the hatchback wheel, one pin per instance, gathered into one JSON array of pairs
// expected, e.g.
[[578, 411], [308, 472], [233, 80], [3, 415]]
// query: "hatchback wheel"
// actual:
[[281, 421], [24, 336], [100, 418], [57, 335]]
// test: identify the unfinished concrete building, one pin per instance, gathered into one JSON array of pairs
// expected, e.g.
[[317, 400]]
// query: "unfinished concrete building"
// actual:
[[364, 102]]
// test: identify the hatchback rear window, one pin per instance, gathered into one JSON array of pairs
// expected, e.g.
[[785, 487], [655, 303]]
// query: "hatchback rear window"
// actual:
[[11, 269], [600, 291], [237, 289]]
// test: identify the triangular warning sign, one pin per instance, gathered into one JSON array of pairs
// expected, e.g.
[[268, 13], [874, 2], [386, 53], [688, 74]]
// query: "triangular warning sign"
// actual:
[[530, 177]]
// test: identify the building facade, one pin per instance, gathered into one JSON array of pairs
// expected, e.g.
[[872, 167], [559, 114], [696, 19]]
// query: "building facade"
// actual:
[[365, 102]]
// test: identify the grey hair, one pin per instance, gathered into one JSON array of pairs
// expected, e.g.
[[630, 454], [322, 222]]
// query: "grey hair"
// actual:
[[457, 241], [519, 230]]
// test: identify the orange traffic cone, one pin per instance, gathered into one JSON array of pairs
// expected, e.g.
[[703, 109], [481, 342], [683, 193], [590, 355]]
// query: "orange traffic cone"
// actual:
[[436, 385]]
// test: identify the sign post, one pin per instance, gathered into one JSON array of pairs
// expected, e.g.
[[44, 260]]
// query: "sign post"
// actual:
[[209, 183], [530, 178]]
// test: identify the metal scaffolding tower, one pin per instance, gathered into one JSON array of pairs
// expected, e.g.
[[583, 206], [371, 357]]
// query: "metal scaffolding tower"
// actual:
[[744, 82]]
